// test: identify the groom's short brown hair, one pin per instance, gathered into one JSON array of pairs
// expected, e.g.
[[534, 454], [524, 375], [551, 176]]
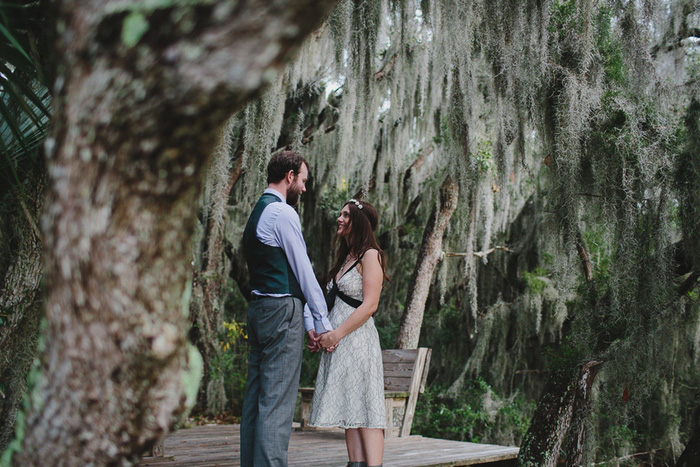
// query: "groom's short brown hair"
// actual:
[[281, 163]]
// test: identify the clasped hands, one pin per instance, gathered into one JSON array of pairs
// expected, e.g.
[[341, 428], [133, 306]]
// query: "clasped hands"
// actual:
[[327, 341]]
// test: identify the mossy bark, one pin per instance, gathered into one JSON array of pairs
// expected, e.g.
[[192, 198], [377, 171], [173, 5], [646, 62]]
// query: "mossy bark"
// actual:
[[430, 254], [548, 426], [21, 304], [562, 410], [140, 96]]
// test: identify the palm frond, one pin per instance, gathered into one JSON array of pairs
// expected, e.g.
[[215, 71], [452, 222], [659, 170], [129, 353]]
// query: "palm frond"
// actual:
[[8, 35], [25, 102]]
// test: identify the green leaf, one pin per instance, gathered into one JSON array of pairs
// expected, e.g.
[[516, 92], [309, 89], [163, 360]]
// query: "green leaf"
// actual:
[[6, 114], [18, 137], [27, 91], [10, 55], [5, 32], [133, 28]]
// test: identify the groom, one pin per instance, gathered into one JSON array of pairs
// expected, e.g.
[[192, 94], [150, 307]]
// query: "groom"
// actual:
[[281, 279]]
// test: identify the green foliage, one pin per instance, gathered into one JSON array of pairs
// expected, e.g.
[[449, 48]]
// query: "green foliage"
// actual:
[[134, 27], [24, 99], [442, 326], [231, 363], [444, 134], [387, 334], [567, 34], [563, 17], [236, 306], [619, 441], [566, 356], [610, 48], [600, 254], [448, 419], [332, 200], [483, 157], [534, 281], [477, 414], [309, 368]]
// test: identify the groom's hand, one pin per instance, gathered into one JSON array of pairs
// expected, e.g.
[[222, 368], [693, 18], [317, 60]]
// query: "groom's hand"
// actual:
[[312, 341]]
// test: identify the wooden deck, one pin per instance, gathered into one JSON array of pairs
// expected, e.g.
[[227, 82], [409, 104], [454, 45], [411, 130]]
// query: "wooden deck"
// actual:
[[218, 445]]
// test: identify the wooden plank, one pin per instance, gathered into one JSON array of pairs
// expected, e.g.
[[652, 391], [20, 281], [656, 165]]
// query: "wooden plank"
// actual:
[[389, 414], [397, 384], [398, 372], [399, 355], [396, 394], [406, 366], [426, 367], [414, 390], [306, 398], [218, 445]]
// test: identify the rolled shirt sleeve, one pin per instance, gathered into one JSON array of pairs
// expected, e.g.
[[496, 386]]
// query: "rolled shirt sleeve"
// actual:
[[287, 232]]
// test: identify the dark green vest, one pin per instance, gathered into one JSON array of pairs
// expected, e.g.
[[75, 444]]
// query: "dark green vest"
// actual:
[[269, 269]]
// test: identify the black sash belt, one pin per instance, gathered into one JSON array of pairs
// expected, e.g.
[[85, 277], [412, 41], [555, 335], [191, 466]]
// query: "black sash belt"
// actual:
[[335, 292]]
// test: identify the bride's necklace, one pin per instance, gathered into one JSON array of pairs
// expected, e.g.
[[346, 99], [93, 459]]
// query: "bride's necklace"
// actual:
[[345, 263]]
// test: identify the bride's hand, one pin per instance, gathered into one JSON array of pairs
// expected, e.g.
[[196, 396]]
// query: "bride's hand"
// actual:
[[329, 340]]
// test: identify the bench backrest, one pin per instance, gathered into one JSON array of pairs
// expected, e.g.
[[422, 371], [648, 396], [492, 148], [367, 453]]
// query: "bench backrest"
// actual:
[[402, 367], [405, 372]]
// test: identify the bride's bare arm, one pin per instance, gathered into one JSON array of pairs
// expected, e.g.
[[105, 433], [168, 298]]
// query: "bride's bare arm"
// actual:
[[372, 277]]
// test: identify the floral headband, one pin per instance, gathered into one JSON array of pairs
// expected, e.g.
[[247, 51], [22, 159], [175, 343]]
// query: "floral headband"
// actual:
[[356, 202]]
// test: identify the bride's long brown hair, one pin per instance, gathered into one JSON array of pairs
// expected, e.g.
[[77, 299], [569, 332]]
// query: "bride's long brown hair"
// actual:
[[363, 223]]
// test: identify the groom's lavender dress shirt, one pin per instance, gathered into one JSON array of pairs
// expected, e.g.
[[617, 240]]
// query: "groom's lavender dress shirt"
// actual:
[[279, 226]]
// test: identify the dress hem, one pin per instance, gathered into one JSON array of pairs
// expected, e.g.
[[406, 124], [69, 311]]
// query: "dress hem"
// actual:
[[345, 426]]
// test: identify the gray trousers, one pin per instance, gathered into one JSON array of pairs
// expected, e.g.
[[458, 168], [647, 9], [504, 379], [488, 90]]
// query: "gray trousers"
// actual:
[[276, 338]]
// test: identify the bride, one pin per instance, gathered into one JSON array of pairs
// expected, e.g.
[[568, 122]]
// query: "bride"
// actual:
[[350, 383]]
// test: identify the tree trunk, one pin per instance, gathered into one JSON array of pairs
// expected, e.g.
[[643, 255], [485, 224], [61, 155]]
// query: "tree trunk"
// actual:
[[582, 405], [140, 95], [565, 404], [548, 426], [21, 307], [430, 253], [691, 455]]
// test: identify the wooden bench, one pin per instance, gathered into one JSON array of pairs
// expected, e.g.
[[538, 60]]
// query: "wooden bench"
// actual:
[[405, 372]]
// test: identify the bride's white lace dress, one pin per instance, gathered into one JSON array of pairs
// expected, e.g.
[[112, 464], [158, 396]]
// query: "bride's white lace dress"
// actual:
[[350, 383]]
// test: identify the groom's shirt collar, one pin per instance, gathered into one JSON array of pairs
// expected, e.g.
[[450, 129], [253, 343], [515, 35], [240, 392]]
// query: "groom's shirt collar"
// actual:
[[276, 193]]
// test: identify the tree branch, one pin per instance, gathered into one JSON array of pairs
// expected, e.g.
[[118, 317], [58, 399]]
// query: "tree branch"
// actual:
[[688, 283], [386, 68], [583, 256], [478, 254]]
